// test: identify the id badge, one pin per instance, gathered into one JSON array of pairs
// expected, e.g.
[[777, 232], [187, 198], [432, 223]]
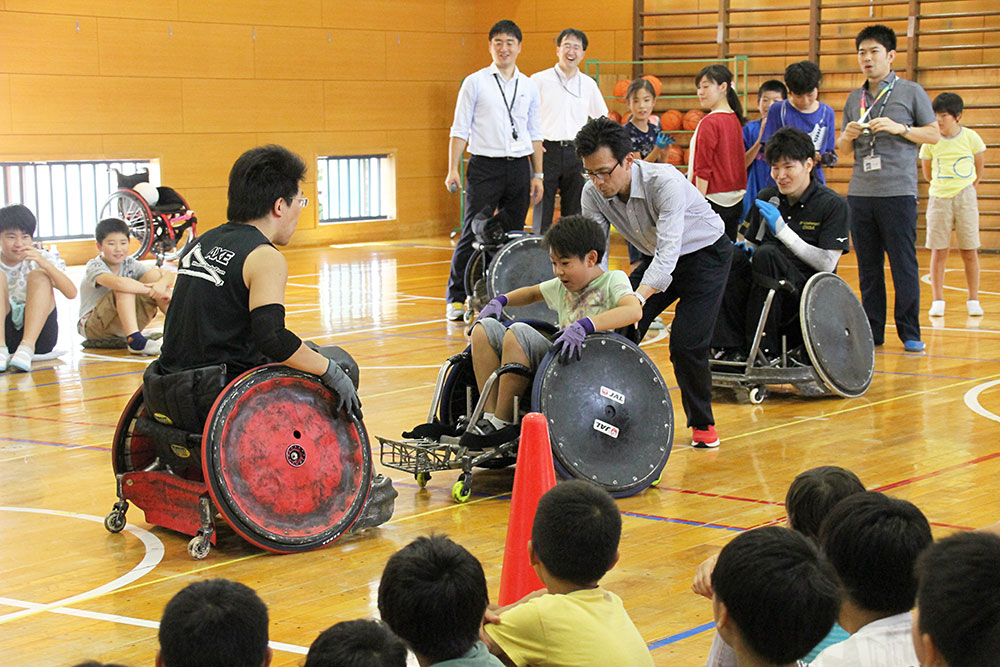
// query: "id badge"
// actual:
[[517, 146], [872, 163]]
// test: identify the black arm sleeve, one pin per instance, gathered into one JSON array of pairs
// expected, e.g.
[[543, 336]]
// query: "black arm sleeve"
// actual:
[[267, 326]]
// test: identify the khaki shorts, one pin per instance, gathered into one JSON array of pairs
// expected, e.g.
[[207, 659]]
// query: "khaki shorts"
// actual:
[[534, 343], [960, 212], [103, 320]]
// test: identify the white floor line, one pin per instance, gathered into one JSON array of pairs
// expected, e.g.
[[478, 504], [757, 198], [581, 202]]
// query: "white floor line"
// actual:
[[972, 400], [926, 279]]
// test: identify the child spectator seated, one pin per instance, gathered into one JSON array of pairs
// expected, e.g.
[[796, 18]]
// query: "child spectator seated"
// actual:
[[873, 542], [775, 596], [214, 623], [361, 643], [433, 596], [953, 166], [29, 277], [572, 621], [586, 299], [958, 602], [119, 295], [810, 497]]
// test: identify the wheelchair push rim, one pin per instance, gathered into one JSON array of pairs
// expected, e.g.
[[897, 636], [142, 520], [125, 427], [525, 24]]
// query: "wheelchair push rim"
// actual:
[[131, 450], [520, 263], [285, 469], [131, 207]]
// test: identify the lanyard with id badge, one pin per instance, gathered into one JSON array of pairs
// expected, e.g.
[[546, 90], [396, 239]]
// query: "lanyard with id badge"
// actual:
[[515, 143], [873, 162]]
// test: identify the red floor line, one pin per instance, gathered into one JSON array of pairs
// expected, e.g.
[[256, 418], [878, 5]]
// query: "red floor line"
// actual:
[[723, 496], [58, 421], [83, 400], [935, 473]]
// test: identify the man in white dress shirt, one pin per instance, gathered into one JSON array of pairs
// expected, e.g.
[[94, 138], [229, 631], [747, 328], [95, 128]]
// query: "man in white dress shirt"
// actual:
[[568, 99], [497, 117]]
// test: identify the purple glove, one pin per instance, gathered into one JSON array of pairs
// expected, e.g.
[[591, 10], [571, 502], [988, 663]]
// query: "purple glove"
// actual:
[[493, 308], [570, 342]]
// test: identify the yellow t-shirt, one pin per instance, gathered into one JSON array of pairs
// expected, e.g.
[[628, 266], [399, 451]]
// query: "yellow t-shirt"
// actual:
[[953, 167], [586, 627]]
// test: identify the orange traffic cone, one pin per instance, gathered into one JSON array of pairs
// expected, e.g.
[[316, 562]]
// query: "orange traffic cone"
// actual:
[[533, 476]]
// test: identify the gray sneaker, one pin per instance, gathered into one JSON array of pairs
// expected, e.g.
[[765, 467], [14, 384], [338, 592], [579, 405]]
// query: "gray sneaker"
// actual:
[[455, 311]]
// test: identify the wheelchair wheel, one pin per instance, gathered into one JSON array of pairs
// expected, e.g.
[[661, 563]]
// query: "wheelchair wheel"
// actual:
[[475, 282], [610, 417], [174, 252], [131, 450], [521, 262], [131, 207], [285, 469], [460, 391]]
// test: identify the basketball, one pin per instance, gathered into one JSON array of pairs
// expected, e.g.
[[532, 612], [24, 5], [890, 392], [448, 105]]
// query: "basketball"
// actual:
[[675, 154], [657, 84], [621, 87], [692, 118], [615, 116], [671, 120], [626, 117]]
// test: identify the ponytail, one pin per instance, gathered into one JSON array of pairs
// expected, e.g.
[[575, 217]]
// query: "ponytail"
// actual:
[[720, 74]]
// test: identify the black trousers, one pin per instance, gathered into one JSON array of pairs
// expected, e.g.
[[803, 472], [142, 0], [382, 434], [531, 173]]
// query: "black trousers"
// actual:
[[699, 279], [883, 226], [731, 217], [743, 302], [495, 183], [563, 172]]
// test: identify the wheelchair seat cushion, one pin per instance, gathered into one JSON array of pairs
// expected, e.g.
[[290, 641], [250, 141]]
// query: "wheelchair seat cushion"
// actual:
[[182, 399]]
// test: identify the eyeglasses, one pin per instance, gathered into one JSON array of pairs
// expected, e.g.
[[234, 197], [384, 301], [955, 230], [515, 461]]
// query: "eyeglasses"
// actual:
[[303, 201], [600, 175]]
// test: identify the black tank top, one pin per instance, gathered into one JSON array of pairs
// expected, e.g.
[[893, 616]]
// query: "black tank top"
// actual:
[[208, 321]]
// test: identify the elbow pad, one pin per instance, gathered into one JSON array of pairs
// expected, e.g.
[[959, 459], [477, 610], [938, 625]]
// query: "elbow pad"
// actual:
[[267, 327]]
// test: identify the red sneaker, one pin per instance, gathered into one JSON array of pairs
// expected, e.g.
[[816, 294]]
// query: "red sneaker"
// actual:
[[705, 438]]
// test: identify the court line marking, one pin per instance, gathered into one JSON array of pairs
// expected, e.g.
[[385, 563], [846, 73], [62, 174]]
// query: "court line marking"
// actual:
[[971, 399], [697, 630], [150, 559], [926, 279], [125, 360]]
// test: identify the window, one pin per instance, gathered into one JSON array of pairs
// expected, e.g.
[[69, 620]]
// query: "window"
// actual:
[[66, 196], [354, 188]]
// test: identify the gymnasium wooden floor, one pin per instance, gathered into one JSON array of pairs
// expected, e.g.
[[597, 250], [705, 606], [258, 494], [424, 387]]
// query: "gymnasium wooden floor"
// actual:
[[925, 431]]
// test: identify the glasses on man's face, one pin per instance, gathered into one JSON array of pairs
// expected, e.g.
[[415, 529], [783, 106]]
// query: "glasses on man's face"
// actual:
[[303, 201], [600, 175]]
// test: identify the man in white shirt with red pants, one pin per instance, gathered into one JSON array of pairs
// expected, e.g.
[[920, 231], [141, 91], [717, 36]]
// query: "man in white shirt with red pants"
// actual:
[[569, 98]]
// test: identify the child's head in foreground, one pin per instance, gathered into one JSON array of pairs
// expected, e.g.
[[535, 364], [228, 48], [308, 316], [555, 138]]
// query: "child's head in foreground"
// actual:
[[360, 643]]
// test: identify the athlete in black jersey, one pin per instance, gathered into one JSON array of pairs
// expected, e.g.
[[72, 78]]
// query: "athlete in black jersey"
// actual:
[[228, 303]]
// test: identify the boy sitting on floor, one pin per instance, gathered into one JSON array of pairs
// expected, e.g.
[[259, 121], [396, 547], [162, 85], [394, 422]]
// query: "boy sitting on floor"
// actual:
[[28, 280], [572, 621], [119, 295], [585, 297]]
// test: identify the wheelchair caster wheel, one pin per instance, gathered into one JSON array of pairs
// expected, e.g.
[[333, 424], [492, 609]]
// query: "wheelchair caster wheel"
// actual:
[[461, 491], [115, 521], [199, 546], [656, 482], [422, 478], [469, 315], [757, 395]]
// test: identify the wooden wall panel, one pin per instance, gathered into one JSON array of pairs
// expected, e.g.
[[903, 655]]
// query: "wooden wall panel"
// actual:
[[411, 15], [251, 105], [5, 104], [319, 53], [188, 160], [66, 104], [460, 16], [255, 12], [439, 52], [51, 147], [150, 9], [420, 152], [175, 49], [586, 16], [45, 44], [424, 105]]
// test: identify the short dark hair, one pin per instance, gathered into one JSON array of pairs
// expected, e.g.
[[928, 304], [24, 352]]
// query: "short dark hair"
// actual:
[[505, 27], [789, 143], [882, 34], [637, 85], [360, 643], [603, 132], [959, 598], [433, 595], [772, 86], [19, 217], [215, 622], [575, 236], [813, 493], [949, 103], [576, 532], [259, 178], [873, 542], [110, 226], [803, 77], [573, 32], [720, 74], [779, 590]]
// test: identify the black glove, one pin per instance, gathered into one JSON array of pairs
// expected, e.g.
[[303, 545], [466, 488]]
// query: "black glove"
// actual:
[[336, 379]]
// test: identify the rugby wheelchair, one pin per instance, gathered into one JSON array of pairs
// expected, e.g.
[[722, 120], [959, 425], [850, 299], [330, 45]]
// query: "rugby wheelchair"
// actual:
[[609, 416], [158, 218], [837, 354], [268, 452]]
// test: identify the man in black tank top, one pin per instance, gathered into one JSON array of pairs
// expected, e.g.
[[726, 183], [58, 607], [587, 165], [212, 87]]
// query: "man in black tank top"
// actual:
[[228, 301]]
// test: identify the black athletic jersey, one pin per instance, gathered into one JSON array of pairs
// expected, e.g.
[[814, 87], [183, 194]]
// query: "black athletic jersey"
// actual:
[[819, 218], [208, 321]]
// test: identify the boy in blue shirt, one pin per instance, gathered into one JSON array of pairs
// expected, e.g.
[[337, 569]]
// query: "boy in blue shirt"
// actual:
[[758, 170]]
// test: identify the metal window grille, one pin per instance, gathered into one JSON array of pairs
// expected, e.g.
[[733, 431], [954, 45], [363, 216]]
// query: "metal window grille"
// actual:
[[350, 188], [65, 197]]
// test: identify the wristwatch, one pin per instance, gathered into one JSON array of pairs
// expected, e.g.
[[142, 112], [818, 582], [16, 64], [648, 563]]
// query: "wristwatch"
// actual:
[[539, 175], [642, 299], [906, 131]]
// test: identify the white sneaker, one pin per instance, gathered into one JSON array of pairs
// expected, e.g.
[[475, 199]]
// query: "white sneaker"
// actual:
[[455, 311], [937, 309], [21, 360], [4, 358], [150, 349], [972, 305]]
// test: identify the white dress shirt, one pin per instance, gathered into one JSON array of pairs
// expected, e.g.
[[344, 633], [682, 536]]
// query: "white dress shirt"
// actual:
[[882, 643], [665, 217], [482, 119], [567, 103]]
